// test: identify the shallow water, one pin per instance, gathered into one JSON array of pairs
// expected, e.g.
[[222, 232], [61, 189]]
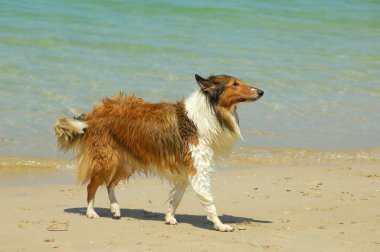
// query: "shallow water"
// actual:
[[318, 63]]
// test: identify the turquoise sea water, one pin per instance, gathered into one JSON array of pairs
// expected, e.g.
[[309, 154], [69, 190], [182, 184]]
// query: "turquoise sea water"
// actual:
[[317, 61]]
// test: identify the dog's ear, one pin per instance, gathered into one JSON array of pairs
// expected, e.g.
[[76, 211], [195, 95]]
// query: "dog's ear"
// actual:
[[203, 83]]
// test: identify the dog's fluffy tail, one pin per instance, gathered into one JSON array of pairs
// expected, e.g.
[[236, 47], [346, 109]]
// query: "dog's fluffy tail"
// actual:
[[69, 133]]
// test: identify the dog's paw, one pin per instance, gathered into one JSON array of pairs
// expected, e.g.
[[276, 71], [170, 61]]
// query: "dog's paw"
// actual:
[[170, 220], [91, 214], [115, 210], [223, 227]]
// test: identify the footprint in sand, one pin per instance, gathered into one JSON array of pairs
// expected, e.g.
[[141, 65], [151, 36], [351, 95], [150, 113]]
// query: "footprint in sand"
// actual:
[[58, 226]]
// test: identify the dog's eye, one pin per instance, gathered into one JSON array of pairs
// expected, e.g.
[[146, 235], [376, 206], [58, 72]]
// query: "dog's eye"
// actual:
[[236, 84]]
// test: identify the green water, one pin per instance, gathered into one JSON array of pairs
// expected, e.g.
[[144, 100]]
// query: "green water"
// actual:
[[317, 61]]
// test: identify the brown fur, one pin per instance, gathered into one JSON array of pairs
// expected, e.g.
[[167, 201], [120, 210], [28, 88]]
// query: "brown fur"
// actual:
[[126, 131]]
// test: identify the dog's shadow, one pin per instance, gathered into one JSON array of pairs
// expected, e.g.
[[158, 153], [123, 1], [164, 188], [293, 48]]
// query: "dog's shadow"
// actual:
[[140, 214]]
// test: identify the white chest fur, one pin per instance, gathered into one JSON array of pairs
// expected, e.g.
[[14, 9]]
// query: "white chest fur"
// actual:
[[214, 140]]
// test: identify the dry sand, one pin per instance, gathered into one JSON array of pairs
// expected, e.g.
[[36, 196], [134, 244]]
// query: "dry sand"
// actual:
[[271, 209]]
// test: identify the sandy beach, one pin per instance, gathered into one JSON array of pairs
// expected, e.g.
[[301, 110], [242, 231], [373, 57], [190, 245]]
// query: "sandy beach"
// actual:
[[324, 208]]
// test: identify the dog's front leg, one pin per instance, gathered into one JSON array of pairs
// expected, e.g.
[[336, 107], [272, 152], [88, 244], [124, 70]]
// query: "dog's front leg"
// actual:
[[201, 184]]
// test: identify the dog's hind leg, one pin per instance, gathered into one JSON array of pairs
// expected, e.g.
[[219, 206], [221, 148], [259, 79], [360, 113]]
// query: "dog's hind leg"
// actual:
[[201, 184], [114, 205], [176, 197], [91, 190]]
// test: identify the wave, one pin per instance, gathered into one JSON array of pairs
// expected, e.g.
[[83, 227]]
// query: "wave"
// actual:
[[34, 163], [248, 156], [240, 157]]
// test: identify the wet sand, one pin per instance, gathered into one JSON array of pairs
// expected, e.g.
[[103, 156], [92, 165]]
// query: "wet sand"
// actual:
[[319, 208]]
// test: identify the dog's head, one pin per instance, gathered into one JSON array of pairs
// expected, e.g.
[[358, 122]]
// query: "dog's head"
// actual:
[[227, 91]]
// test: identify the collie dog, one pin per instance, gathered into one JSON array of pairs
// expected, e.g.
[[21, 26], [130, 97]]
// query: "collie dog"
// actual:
[[177, 141]]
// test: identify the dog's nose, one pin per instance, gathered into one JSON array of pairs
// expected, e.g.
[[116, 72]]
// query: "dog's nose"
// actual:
[[260, 92]]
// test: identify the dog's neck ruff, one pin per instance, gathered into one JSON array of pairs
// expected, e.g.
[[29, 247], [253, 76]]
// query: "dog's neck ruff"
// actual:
[[210, 131]]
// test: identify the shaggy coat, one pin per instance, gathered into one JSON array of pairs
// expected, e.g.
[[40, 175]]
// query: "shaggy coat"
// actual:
[[177, 141]]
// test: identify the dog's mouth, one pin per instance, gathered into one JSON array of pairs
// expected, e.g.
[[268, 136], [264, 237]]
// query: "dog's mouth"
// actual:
[[257, 96]]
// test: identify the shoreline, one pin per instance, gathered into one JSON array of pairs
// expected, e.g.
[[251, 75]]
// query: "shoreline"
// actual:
[[241, 158], [271, 208]]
